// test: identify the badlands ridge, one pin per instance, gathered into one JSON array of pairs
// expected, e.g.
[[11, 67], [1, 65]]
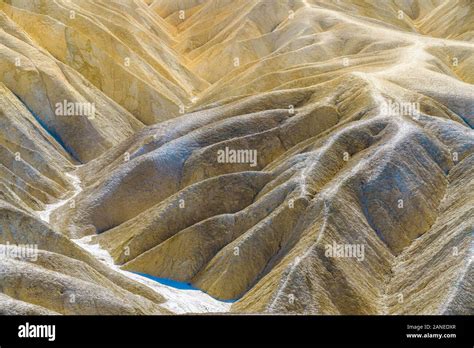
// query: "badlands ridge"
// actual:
[[359, 115]]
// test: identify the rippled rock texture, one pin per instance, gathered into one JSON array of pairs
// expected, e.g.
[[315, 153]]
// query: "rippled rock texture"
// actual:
[[296, 156]]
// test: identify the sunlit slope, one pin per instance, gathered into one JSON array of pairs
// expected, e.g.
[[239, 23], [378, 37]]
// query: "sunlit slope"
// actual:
[[118, 47]]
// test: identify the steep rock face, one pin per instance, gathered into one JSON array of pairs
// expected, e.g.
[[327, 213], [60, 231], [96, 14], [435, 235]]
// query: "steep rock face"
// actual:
[[109, 44], [25, 67], [295, 156]]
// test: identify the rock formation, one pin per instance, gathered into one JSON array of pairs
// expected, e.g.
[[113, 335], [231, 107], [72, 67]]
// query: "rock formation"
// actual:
[[297, 156]]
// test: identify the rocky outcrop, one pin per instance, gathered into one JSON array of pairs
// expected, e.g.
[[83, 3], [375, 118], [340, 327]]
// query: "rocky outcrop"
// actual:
[[58, 277]]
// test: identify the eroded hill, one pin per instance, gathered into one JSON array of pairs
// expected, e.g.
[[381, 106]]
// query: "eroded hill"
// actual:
[[293, 156]]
